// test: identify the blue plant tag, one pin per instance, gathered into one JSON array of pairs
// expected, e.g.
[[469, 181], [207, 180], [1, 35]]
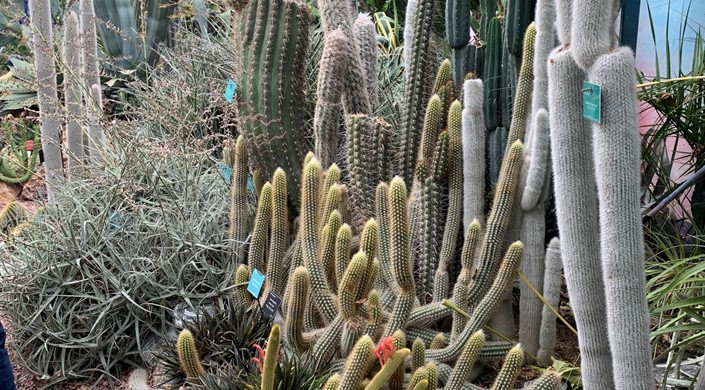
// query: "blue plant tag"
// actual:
[[255, 284], [250, 184], [230, 90], [592, 102], [225, 171], [271, 305]]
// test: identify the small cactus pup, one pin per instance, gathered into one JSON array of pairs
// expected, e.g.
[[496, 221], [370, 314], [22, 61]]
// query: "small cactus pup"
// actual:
[[271, 355], [189, 358]]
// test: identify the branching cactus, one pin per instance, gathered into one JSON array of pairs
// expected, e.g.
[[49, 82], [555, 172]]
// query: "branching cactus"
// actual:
[[270, 88], [47, 92]]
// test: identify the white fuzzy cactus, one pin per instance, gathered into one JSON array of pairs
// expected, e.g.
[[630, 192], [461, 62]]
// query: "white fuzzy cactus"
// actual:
[[552, 293], [365, 33], [473, 153], [91, 75], [73, 96]]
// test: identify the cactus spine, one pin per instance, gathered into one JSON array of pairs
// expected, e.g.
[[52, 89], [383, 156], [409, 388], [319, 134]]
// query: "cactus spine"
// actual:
[[357, 364], [260, 230], [188, 356], [47, 93], [279, 233], [363, 174], [471, 351]]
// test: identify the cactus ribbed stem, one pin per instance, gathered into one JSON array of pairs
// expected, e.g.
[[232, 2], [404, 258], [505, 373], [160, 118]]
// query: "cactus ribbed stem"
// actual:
[[242, 276], [431, 125], [270, 358], [592, 30], [296, 308], [260, 230], [510, 369], [498, 221], [538, 174], [382, 211], [329, 92], [550, 380], [357, 364], [564, 16], [342, 250], [492, 74], [486, 306], [525, 84], [91, 74], [417, 88], [438, 342], [328, 343], [455, 185], [239, 229], [332, 383], [458, 16], [397, 380], [188, 356], [375, 315], [545, 42], [577, 215], [279, 236], [460, 291], [462, 370], [421, 374], [368, 245], [365, 34], [348, 284], [418, 354], [364, 176], [327, 256]]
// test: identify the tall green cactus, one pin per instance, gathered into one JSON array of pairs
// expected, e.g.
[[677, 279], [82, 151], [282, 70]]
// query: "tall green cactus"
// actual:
[[473, 138], [492, 76], [271, 46]]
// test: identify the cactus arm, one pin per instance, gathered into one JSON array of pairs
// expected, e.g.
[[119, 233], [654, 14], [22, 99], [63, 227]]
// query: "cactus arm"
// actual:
[[397, 380], [72, 93], [279, 235], [188, 356], [375, 315], [358, 364], [342, 250], [485, 307], [498, 221], [383, 376], [417, 88], [239, 230], [260, 230], [545, 42], [462, 370], [617, 156], [365, 34], [510, 369], [418, 354], [332, 383], [492, 112], [420, 375], [296, 308], [536, 177], [552, 294], [242, 276], [328, 343], [577, 215], [522, 97], [363, 178], [348, 284], [382, 212], [460, 290], [368, 245], [593, 30], [455, 186], [564, 16], [270, 358]]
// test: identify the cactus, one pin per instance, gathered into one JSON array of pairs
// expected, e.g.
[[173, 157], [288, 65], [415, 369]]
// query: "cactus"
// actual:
[[12, 215], [510, 369], [492, 76], [242, 276], [545, 42], [564, 16], [592, 30], [332, 383], [342, 250], [279, 237], [552, 294], [271, 91], [418, 351], [473, 139], [239, 229], [16, 165], [91, 74], [365, 34], [455, 185], [364, 176], [73, 96], [471, 351], [270, 359], [388, 369], [460, 291], [617, 153], [47, 93], [293, 330], [576, 195], [458, 23], [260, 230], [417, 88], [329, 92], [368, 245], [357, 364], [522, 97], [518, 16], [188, 356], [396, 382]]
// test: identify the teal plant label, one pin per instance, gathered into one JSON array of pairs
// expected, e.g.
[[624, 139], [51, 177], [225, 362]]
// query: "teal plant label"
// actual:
[[271, 305], [225, 171], [230, 90], [592, 102], [255, 284]]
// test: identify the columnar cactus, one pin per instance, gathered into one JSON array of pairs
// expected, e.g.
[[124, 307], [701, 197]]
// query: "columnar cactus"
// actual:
[[188, 357], [364, 176], [510, 369], [492, 74], [462, 370], [552, 294], [239, 215], [357, 364], [329, 92], [473, 153], [592, 30], [279, 239], [73, 95], [271, 90], [91, 74], [47, 92], [270, 359], [365, 34], [260, 230], [617, 156]]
